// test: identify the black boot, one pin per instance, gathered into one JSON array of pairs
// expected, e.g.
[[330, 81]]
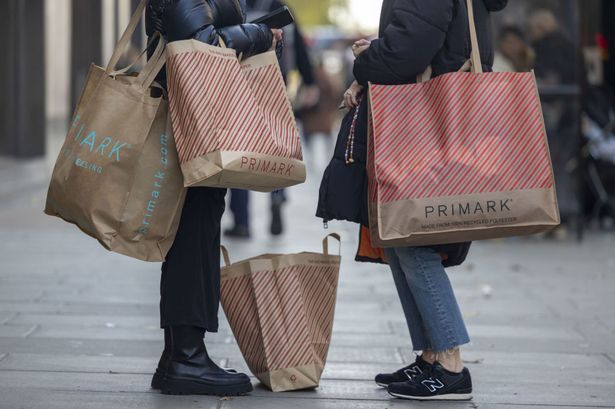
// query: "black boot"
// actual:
[[192, 372], [164, 361]]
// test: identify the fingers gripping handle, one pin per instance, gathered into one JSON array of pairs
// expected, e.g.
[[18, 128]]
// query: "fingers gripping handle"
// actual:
[[325, 243]]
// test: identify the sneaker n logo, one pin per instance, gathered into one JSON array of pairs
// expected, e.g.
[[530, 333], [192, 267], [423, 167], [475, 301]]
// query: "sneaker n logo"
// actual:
[[412, 372], [432, 385]]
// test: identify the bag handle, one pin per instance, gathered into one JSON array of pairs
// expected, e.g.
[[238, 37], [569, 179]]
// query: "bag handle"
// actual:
[[125, 39], [477, 65], [325, 243], [225, 256], [148, 74], [474, 64], [124, 70]]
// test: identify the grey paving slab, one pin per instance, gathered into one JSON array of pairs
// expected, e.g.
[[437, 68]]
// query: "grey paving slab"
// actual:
[[17, 293], [78, 363], [286, 403], [10, 331], [107, 321], [66, 381], [30, 307], [6, 316], [45, 399], [83, 347], [98, 333]]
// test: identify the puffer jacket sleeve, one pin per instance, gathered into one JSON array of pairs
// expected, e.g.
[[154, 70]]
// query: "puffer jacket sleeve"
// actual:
[[246, 39], [212, 20], [408, 44]]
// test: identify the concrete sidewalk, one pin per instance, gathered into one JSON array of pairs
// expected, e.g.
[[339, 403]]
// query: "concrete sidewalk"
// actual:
[[79, 326]]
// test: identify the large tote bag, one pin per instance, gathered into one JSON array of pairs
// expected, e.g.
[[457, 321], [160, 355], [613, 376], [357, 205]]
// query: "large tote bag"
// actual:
[[117, 176], [460, 157], [281, 309], [233, 123]]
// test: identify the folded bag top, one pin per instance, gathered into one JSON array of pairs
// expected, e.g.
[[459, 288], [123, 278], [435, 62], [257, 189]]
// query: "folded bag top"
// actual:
[[460, 157]]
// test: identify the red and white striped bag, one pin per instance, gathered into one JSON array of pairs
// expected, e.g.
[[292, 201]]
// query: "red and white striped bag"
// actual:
[[233, 123], [461, 157], [281, 309]]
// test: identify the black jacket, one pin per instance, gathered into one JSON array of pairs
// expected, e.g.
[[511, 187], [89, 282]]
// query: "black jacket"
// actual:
[[413, 35], [208, 21]]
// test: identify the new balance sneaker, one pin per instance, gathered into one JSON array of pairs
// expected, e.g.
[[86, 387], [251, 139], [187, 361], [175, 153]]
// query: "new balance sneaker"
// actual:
[[404, 374], [435, 383]]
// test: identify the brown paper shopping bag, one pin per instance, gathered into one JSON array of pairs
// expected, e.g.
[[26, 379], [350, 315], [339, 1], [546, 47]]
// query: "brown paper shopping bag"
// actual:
[[460, 157], [233, 123], [117, 176], [281, 308]]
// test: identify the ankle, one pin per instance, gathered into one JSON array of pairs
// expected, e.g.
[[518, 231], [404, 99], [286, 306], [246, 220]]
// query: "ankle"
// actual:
[[428, 356], [450, 360]]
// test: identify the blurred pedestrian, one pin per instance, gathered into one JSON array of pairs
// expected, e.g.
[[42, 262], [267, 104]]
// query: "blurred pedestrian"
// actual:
[[320, 118], [294, 56], [190, 283], [513, 53], [555, 52], [414, 35]]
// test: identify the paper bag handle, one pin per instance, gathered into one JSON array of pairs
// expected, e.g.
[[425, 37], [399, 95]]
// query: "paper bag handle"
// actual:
[[325, 243], [474, 64], [225, 256], [477, 65], [148, 74], [126, 36]]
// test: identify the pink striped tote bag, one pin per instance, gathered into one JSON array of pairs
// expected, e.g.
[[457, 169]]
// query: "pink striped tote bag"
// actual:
[[232, 121], [460, 157], [280, 308]]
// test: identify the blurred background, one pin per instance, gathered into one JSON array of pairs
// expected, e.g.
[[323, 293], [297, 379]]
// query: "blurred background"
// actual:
[[569, 44]]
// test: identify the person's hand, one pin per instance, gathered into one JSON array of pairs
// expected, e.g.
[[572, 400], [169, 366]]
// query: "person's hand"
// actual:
[[359, 46], [352, 94], [277, 35]]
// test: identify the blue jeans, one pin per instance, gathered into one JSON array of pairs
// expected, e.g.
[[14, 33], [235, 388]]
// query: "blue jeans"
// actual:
[[427, 298]]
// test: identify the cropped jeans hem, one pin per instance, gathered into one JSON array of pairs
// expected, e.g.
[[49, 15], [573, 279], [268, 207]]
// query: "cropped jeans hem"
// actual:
[[432, 314]]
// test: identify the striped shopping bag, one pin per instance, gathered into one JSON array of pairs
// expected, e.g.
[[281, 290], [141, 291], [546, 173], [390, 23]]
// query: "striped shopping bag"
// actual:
[[461, 157], [232, 121], [280, 308]]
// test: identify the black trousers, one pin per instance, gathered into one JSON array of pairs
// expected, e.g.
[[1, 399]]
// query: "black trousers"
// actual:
[[190, 282]]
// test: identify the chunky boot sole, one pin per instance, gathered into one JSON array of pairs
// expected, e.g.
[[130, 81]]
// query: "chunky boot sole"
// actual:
[[182, 386], [157, 380]]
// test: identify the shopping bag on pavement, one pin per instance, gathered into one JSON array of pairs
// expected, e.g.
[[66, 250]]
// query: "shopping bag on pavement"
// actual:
[[233, 123], [460, 157], [117, 176], [280, 308]]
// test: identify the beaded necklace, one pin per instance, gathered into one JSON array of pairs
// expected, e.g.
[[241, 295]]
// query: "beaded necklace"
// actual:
[[349, 154]]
